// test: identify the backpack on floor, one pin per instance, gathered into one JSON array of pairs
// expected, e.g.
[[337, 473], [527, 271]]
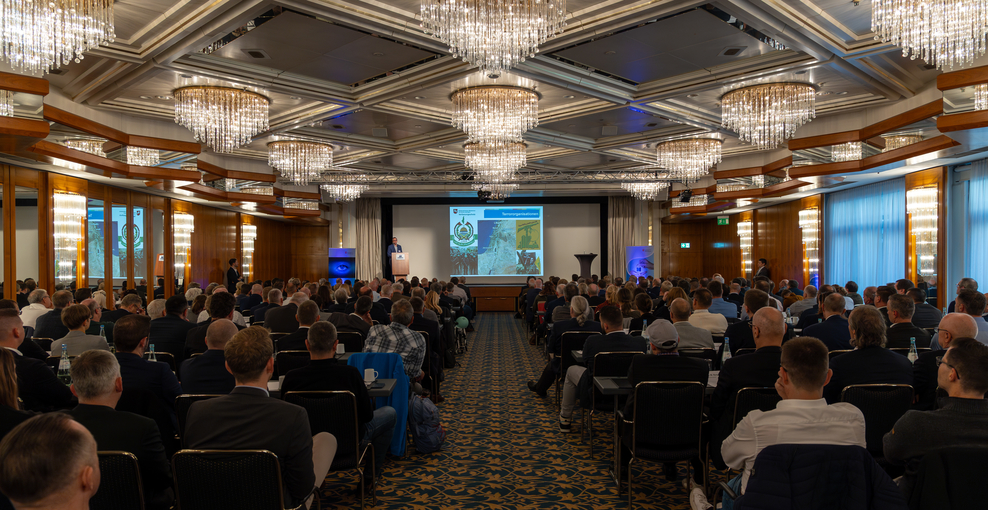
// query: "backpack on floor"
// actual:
[[427, 431]]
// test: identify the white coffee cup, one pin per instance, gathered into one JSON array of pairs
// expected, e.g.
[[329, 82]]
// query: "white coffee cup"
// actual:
[[340, 348], [370, 375]]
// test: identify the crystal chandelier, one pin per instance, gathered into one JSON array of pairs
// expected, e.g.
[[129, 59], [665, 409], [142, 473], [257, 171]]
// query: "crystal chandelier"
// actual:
[[745, 235], [494, 36], [345, 187], [498, 190], [258, 190], [768, 114], [646, 191], [300, 161], [142, 156], [69, 210], [694, 201], [893, 142], [981, 96], [248, 234], [944, 33], [494, 162], [495, 114], [727, 188], [809, 225], [303, 205], [6, 103], [921, 204], [689, 159], [222, 118], [87, 145], [40, 36], [182, 227], [850, 151]]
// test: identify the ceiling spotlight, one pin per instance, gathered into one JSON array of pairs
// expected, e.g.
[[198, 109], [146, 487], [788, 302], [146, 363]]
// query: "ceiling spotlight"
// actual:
[[420, 97], [569, 97]]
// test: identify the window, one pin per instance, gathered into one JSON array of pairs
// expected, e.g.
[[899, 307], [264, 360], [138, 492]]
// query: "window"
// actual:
[[977, 223], [865, 234]]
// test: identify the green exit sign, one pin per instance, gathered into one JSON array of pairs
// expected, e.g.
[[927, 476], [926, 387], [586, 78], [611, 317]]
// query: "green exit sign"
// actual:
[[723, 220], [684, 245]]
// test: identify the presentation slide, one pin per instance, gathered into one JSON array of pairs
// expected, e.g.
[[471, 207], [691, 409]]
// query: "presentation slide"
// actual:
[[495, 241]]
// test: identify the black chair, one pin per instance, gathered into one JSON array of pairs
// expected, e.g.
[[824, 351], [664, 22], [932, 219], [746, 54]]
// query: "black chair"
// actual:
[[733, 320], [606, 364], [834, 354], [956, 472], [336, 412], [236, 479], [635, 332], [276, 336], [164, 357], [746, 350], [569, 341], [286, 361], [182, 405], [905, 350], [44, 343], [707, 354], [882, 405], [120, 483], [750, 399], [676, 409], [352, 341], [258, 323], [52, 361]]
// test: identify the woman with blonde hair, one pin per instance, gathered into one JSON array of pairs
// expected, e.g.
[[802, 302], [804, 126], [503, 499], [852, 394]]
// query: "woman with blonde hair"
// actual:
[[432, 303], [610, 297]]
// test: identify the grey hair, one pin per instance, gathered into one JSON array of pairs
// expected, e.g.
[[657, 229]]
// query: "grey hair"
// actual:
[[580, 305], [340, 295], [155, 308], [397, 288], [299, 298], [94, 373], [37, 296], [401, 312], [274, 295], [191, 294]]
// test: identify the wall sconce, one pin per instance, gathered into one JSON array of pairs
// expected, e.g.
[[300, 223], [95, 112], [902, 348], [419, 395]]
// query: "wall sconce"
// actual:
[[69, 209], [745, 235], [248, 234], [809, 224], [182, 227], [921, 204]]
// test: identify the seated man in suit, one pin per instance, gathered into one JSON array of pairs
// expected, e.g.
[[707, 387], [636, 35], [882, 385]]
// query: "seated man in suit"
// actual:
[[803, 416], [579, 320], [140, 374], [248, 419], [37, 385], [96, 381], [833, 330], [756, 370], [263, 305], [869, 362], [399, 338], [325, 373], [28, 347], [972, 303], [281, 319], [156, 309], [359, 321], [76, 318], [237, 319], [882, 296], [50, 324], [702, 318], [206, 374], [377, 312], [220, 307], [614, 339], [814, 314], [96, 324], [49, 462], [925, 315], [925, 369], [961, 420], [902, 330], [168, 333], [739, 335], [275, 299], [809, 301], [129, 304], [663, 364], [306, 315], [690, 336]]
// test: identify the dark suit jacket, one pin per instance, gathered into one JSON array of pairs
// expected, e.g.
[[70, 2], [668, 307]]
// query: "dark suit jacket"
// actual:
[[156, 377], [38, 387], [195, 339], [10, 418], [31, 349], [121, 431], [809, 317], [206, 374], [378, 311], [758, 369], [232, 277], [885, 314], [898, 335], [49, 325], [384, 302], [618, 341], [281, 319], [252, 301], [349, 323], [739, 336], [871, 365], [247, 419], [926, 316], [114, 315], [420, 323], [22, 301], [555, 339], [331, 375], [833, 332], [336, 308], [925, 379], [168, 334], [551, 305], [257, 311], [294, 341], [665, 367], [763, 271]]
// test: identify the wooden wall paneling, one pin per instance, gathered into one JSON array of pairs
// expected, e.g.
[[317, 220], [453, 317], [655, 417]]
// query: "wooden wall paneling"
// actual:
[[721, 249], [310, 252], [780, 241], [678, 261], [169, 248], [272, 252]]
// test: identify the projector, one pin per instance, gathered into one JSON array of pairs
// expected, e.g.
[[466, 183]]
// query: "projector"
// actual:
[[483, 196], [685, 196]]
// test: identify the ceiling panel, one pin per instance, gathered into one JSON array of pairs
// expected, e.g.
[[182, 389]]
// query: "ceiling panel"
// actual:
[[627, 121], [409, 161], [580, 160], [364, 122]]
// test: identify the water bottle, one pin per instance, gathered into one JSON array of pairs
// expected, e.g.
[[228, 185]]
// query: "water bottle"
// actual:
[[645, 335], [727, 352], [944, 312], [151, 356], [64, 367], [912, 350]]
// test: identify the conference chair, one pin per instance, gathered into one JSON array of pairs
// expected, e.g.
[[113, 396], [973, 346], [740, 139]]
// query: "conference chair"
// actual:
[[164, 357], [182, 405], [336, 412], [676, 409], [352, 341], [882, 405], [708, 354], [956, 472], [286, 361], [746, 350], [606, 364], [44, 343], [752, 398], [120, 483], [569, 341], [276, 336], [834, 354], [52, 361], [212, 479], [905, 350]]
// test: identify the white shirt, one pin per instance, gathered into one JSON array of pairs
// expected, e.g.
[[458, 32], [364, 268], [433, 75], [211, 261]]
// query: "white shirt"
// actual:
[[237, 318], [461, 294], [30, 314], [792, 422], [715, 323]]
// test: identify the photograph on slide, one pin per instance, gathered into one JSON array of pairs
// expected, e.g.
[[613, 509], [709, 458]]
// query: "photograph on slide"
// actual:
[[496, 241]]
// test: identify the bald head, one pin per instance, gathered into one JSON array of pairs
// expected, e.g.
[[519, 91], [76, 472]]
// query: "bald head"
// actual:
[[956, 325], [679, 310], [768, 327], [219, 333], [256, 289], [834, 304], [299, 298]]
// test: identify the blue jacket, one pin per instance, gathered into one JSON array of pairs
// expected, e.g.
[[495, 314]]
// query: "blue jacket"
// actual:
[[824, 477], [726, 308], [833, 332], [388, 366]]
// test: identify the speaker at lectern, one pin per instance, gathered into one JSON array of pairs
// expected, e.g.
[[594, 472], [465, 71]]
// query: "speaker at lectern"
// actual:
[[399, 264]]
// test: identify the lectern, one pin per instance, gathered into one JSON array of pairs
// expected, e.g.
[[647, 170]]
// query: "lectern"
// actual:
[[585, 260], [399, 264]]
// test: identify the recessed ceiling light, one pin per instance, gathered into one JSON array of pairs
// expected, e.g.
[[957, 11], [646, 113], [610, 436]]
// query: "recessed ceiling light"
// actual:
[[651, 124], [821, 84], [419, 97], [800, 72], [145, 97], [337, 126], [691, 96], [417, 126], [571, 125], [186, 76], [377, 54], [376, 162], [824, 93], [164, 98], [295, 98], [569, 97], [842, 93], [609, 52], [612, 160]]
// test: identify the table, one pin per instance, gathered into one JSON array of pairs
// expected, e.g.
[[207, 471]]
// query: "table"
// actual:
[[620, 385], [389, 388]]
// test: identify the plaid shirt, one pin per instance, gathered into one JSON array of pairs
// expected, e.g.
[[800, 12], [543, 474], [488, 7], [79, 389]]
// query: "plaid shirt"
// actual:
[[397, 338]]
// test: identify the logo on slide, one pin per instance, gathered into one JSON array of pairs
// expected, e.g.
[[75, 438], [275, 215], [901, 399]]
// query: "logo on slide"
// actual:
[[463, 233]]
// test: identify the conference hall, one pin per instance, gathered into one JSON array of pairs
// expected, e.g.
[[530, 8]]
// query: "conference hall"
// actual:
[[506, 254]]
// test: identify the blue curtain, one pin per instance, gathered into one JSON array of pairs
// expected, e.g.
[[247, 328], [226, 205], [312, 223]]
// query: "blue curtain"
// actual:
[[975, 265], [865, 234]]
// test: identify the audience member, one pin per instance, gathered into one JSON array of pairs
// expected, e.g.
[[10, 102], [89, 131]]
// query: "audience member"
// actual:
[[925, 315], [852, 292], [728, 309], [833, 330], [129, 304], [38, 388], [808, 301], [168, 332], [206, 374], [156, 309], [715, 323], [578, 321], [306, 315], [398, 338], [952, 326], [220, 307], [96, 324], [902, 286], [76, 318], [237, 319], [11, 414], [869, 295], [739, 335], [963, 284], [248, 419], [869, 362], [972, 303], [882, 296], [39, 303], [900, 311], [359, 321], [282, 319], [690, 336], [50, 324], [138, 373]]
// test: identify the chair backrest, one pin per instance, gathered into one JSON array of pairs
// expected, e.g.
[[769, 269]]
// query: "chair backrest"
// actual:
[[967, 467], [635, 332], [352, 341], [334, 412], [834, 354], [905, 350], [676, 409], [749, 399], [120, 483], [746, 350], [286, 361], [44, 343], [610, 364], [182, 405], [163, 357], [211, 479], [709, 354], [52, 361], [882, 405], [568, 342], [276, 336]]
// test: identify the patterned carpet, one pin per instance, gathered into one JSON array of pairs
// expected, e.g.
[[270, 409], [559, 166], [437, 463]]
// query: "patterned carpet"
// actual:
[[504, 450]]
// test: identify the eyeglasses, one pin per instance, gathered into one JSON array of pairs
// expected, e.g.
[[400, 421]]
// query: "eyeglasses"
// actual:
[[940, 361]]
